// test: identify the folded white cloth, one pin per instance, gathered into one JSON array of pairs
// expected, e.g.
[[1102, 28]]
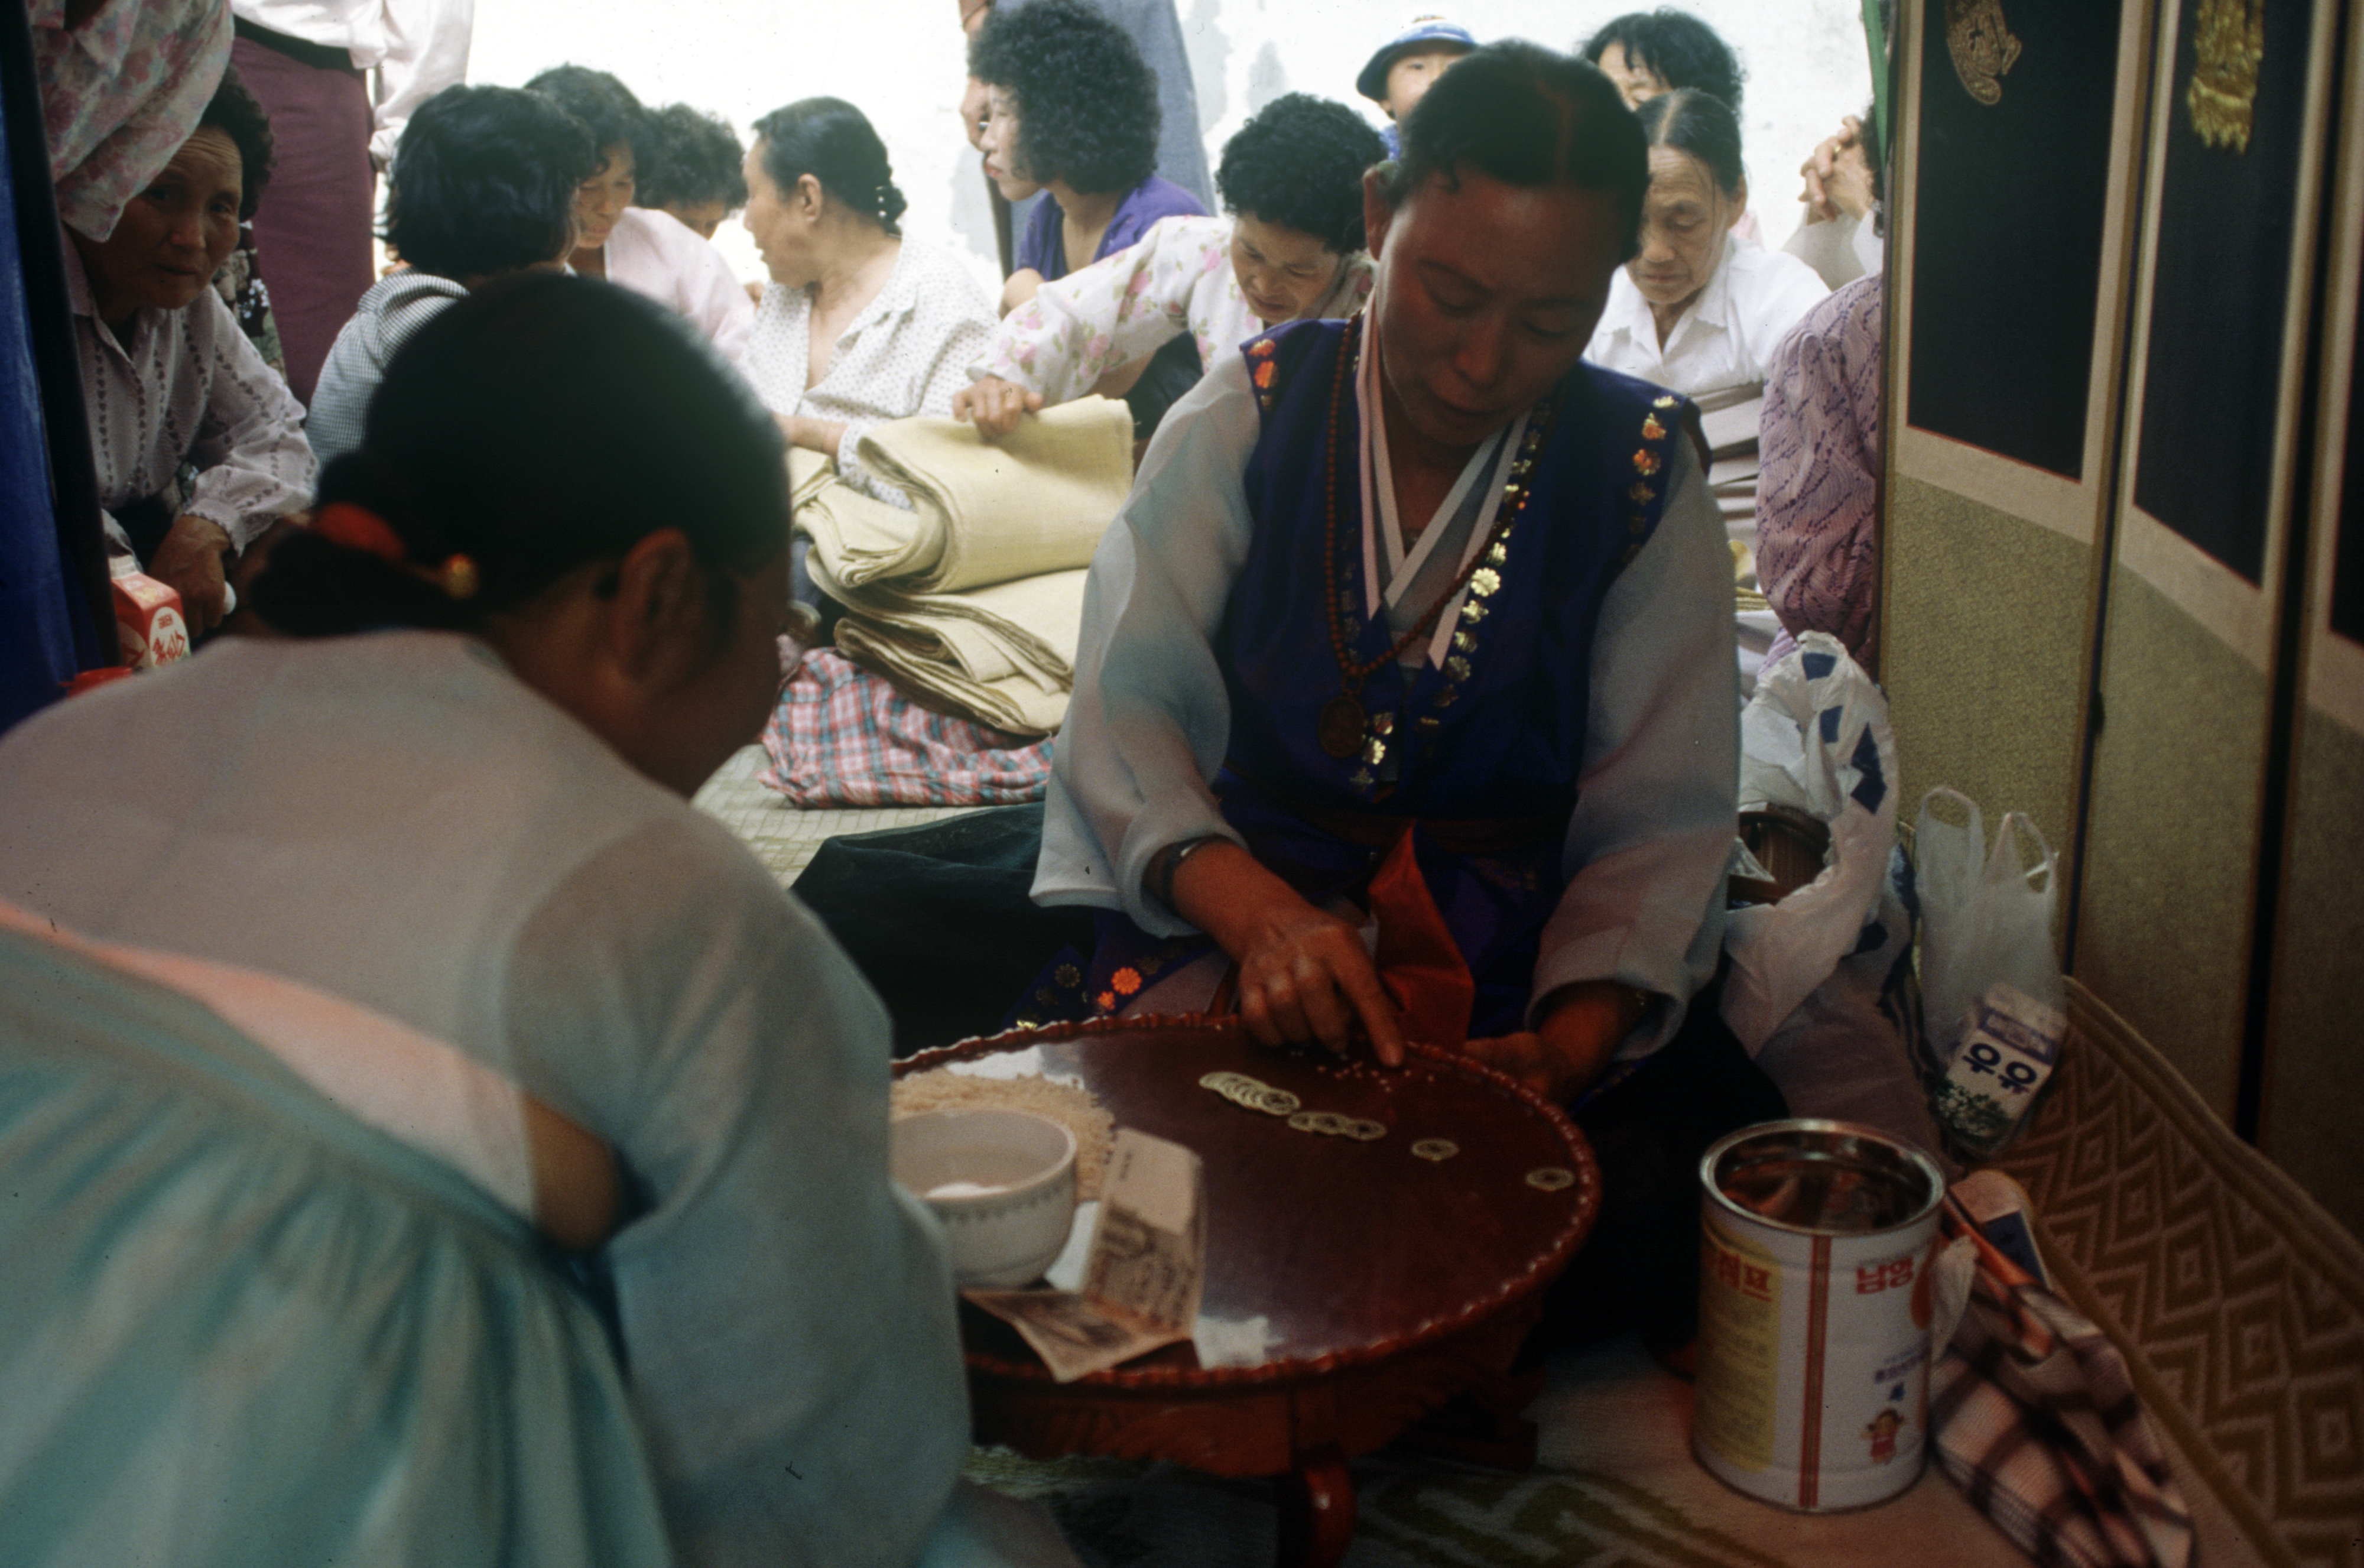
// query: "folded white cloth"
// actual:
[[981, 512], [972, 600]]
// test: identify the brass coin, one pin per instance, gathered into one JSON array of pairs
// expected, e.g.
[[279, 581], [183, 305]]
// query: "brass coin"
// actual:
[[1365, 1131], [1551, 1179], [1276, 1102], [1303, 1122], [1438, 1149]]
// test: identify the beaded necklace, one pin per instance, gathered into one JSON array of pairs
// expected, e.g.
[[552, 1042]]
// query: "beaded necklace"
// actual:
[[1340, 728]]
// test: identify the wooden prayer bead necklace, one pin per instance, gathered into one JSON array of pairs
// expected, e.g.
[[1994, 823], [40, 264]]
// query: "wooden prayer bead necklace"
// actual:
[[1340, 728]]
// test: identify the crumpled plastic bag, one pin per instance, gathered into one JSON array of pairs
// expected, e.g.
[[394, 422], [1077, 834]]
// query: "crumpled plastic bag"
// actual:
[[1814, 738], [1986, 916]]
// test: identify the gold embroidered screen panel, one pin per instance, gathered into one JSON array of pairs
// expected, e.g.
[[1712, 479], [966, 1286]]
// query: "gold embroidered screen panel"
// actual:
[[2015, 106], [2185, 817], [2235, 133]]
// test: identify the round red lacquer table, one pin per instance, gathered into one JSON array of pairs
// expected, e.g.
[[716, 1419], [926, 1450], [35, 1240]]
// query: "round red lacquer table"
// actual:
[[1389, 1282]]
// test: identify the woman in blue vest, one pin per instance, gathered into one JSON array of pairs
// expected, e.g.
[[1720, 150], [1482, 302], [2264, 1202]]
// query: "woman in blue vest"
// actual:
[[1427, 592]]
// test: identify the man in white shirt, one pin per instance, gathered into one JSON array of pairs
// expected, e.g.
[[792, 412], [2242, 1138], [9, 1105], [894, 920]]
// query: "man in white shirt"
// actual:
[[310, 63]]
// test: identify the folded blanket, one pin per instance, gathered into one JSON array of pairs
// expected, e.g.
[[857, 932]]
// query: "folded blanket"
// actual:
[[983, 511], [979, 653]]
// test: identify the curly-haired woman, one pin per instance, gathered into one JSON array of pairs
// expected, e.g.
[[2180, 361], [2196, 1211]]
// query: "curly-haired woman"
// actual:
[[1072, 112], [1289, 247], [1648, 53], [692, 169]]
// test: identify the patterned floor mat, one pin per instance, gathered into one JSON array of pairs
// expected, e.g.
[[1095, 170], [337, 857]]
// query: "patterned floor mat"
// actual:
[[783, 837], [1614, 1485], [2245, 1299]]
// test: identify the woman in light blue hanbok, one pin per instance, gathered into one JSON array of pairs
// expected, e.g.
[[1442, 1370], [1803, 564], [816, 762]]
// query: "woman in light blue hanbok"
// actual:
[[349, 981]]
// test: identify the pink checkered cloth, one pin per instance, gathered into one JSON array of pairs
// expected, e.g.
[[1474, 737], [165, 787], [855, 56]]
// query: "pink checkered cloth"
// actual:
[[841, 736], [2035, 1419]]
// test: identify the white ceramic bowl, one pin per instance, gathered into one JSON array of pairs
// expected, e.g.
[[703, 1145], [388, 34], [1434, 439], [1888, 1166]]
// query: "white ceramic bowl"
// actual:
[[1002, 1182]]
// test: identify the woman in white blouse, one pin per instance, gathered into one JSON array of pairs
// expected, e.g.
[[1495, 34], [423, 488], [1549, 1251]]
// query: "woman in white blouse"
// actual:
[[1288, 248], [643, 248], [859, 325], [167, 375], [1696, 310]]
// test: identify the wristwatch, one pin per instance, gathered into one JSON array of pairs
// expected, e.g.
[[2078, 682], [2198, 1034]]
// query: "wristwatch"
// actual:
[[1169, 860]]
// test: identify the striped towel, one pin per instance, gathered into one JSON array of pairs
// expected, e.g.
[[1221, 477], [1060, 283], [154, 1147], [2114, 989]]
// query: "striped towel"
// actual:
[[2037, 1420]]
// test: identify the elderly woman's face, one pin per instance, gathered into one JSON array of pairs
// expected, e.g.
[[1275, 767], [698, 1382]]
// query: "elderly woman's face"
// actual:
[[1635, 79], [776, 219], [1487, 294], [1283, 272], [171, 236], [1684, 220], [601, 200], [999, 145]]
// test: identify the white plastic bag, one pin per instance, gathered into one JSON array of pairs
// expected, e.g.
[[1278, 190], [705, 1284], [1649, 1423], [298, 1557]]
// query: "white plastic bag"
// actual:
[[1986, 918], [1816, 738]]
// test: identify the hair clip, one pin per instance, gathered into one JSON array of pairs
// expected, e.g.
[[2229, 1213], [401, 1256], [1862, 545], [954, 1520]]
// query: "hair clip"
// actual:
[[356, 527]]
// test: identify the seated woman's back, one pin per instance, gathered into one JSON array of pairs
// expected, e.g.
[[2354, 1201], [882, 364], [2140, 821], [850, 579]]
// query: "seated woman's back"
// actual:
[[471, 818], [323, 1342], [482, 185]]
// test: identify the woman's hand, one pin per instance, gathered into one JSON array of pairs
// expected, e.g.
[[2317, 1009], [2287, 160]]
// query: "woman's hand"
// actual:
[[975, 98], [1581, 1027], [1838, 176], [1303, 974], [995, 406], [190, 560]]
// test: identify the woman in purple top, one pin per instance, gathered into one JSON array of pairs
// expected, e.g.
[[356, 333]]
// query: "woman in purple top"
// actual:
[[1072, 112]]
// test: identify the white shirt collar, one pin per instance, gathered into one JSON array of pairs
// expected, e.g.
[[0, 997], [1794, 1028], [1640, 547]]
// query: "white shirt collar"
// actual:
[[1629, 312]]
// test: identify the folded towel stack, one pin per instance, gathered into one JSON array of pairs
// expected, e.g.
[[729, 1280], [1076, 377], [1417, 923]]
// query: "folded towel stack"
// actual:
[[972, 599]]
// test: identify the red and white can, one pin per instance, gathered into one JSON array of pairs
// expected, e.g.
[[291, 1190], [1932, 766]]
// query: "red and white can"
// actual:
[[1814, 1307]]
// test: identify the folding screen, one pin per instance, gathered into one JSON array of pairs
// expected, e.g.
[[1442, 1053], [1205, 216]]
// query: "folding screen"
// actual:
[[2021, 126], [2311, 1092], [2174, 824]]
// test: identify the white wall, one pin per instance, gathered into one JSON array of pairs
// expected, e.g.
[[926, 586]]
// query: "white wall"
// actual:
[[901, 61]]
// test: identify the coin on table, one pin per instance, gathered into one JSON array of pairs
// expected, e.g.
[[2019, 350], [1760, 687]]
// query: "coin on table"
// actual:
[[1438, 1149], [1306, 1121], [1365, 1129], [1551, 1178]]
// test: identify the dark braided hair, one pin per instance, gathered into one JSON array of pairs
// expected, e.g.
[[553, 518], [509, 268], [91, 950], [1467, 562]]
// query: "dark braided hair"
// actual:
[[834, 142]]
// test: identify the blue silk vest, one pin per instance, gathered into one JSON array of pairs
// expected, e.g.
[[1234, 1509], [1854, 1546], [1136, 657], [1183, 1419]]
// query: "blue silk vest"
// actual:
[[1490, 748]]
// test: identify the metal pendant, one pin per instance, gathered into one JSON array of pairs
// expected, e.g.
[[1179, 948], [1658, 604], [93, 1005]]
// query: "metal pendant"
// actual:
[[1340, 730]]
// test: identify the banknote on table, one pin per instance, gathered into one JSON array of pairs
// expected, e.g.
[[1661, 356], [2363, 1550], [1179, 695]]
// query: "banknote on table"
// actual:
[[1142, 1280]]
